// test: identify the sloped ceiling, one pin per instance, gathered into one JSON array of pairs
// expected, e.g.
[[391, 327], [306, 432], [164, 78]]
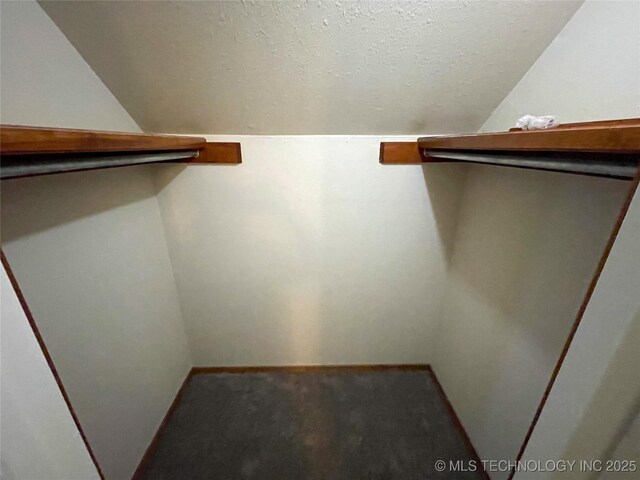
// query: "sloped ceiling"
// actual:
[[311, 67]]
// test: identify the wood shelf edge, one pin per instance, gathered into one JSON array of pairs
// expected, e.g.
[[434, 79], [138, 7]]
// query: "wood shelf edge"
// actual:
[[400, 153], [227, 153], [17, 140], [404, 153], [32, 151], [609, 136]]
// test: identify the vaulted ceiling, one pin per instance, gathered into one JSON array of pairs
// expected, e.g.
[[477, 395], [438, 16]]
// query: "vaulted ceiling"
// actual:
[[311, 67]]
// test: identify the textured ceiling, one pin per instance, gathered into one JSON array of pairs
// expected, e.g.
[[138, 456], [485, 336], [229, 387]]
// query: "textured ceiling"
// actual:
[[311, 67]]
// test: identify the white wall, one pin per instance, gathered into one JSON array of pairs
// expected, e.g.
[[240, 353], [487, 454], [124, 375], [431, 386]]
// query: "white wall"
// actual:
[[43, 77], [528, 242], [310, 252], [607, 321], [628, 449], [527, 246], [604, 406], [89, 252], [591, 71], [38, 437]]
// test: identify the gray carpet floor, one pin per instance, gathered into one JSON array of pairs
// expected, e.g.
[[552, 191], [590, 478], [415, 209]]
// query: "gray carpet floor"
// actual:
[[325, 425]]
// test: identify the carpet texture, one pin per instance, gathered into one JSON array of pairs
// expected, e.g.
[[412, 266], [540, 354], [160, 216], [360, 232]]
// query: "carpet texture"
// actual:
[[325, 425]]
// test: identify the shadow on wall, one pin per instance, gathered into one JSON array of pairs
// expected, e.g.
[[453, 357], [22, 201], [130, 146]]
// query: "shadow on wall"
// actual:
[[529, 243], [445, 184], [166, 173], [526, 247], [66, 198]]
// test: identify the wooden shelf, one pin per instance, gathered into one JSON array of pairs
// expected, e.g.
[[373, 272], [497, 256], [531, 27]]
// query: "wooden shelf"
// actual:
[[609, 148], [29, 140], [28, 151], [219, 152], [400, 153], [618, 136]]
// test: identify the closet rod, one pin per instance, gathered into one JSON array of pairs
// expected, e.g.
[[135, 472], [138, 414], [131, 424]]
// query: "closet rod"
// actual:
[[28, 164], [621, 166]]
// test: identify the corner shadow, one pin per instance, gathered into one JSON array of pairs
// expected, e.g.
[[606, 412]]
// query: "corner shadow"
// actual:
[[35, 204], [445, 186]]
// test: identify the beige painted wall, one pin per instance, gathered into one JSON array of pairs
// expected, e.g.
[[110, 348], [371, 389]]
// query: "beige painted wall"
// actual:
[[89, 252], [609, 424], [627, 449], [527, 245], [592, 363], [94, 267], [52, 76], [528, 242], [38, 439], [310, 252], [591, 71]]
